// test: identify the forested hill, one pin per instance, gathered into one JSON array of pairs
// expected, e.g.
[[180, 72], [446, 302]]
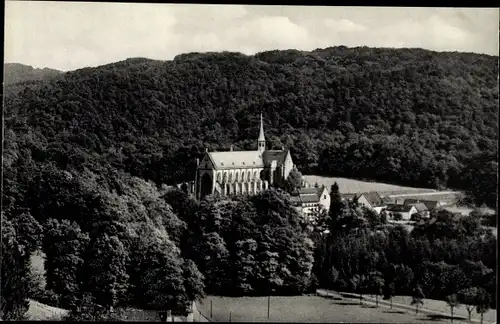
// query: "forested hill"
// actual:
[[407, 116], [15, 72]]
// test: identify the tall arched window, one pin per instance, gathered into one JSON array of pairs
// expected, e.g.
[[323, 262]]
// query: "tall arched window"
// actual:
[[230, 177], [236, 176], [249, 175], [224, 178], [219, 176], [255, 175], [242, 176]]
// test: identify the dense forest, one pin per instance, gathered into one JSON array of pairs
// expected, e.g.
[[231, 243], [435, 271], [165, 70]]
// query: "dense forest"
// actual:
[[405, 116], [88, 152]]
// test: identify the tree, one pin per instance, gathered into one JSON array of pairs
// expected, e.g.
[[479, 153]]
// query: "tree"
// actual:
[[377, 284], [452, 301], [16, 276], [417, 298], [106, 271], [397, 216], [483, 301], [193, 280], [468, 297], [294, 181], [389, 291], [64, 245], [336, 203]]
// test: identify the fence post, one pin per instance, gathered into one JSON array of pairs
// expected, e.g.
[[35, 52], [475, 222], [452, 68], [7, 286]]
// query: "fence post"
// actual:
[[229, 316], [211, 313]]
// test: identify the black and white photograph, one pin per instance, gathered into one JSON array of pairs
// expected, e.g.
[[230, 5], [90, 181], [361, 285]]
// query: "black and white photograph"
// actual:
[[175, 162]]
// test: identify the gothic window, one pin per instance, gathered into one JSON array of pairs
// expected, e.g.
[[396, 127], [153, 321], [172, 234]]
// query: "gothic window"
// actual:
[[230, 177], [242, 175], [235, 188], [262, 175], [219, 176], [224, 178], [237, 175], [255, 175], [246, 187], [228, 189], [241, 188], [249, 175]]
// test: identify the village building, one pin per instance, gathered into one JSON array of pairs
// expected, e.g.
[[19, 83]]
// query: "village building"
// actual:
[[371, 200], [405, 211], [242, 172], [311, 201], [422, 210], [430, 204]]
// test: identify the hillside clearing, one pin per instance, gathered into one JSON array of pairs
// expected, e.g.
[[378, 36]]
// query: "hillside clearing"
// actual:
[[357, 186]]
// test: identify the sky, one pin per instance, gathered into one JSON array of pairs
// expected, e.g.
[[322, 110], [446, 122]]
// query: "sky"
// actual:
[[72, 35]]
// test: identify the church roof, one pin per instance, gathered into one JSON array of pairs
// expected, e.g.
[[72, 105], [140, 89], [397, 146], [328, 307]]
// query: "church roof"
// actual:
[[274, 155], [236, 159]]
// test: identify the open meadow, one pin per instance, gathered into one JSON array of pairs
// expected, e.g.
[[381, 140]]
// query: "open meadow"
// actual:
[[308, 309], [358, 186]]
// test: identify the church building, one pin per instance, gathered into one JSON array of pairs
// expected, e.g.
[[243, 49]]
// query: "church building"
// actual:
[[242, 172]]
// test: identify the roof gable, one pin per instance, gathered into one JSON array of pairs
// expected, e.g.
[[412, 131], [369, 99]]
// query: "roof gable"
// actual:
[[373, 198]]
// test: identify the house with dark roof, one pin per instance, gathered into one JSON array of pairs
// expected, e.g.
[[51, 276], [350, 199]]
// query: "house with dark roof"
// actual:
[[242, 172], [422, 209], [310, 201], [371, 200], [405, 211], [430, 204]]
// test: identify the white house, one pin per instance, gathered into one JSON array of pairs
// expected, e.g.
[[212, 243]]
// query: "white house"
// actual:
[[310, 201], [371, 200], [404, 210]]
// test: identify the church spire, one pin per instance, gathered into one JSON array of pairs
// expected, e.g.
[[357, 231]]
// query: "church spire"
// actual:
[[262, 140]]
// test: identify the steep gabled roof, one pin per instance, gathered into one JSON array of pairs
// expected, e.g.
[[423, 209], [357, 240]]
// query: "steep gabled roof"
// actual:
[[307, 195], [373, 198], [420, 207], [236, 159]]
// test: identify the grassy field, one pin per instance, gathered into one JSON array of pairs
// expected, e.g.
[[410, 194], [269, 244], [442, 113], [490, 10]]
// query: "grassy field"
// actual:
[[357, 186], [307, 309], [441, 306]]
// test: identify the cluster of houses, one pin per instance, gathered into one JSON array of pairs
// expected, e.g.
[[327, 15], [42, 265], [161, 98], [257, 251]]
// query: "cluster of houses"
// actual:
[[395, 209], [309, 201]]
